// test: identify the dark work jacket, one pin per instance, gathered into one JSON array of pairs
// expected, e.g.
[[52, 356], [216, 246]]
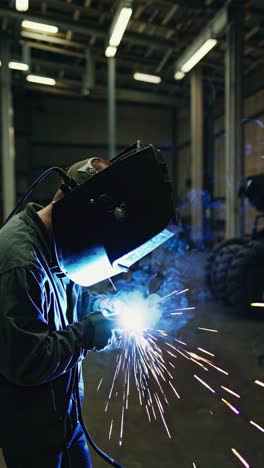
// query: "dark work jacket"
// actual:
[[41, 340]]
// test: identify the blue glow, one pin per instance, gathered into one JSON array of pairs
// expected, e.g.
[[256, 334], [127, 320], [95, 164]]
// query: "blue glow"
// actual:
[[95, 266], [137, 292], [136, 254], [134, 312]]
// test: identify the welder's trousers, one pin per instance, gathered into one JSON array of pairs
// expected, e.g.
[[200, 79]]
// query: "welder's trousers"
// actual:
[[75, 455]]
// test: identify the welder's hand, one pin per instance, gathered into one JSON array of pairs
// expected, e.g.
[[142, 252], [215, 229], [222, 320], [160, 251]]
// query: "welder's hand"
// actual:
[[98, 330]]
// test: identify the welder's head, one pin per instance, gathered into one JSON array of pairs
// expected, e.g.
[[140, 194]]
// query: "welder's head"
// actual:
[[111, 214], [82, 171]]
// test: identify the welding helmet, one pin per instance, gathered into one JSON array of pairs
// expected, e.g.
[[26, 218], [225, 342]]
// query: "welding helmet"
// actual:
[[253, 189], [112, 218]]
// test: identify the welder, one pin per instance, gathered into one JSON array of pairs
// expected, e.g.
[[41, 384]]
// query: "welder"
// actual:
[[97, 225], [42, 337]]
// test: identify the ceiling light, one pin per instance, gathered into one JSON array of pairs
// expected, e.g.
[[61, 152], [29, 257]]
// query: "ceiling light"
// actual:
[[198, 55], [120, 26], [110, 51], [146, 77], [21, 5], [18, 66], [179, 75], [40, 27], [41, 80]]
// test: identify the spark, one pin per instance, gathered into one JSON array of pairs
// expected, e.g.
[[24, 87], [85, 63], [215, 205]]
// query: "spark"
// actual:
[[143, 358], [258, 382], [168, 295], [230, 406], [171, 354], [203, 383], [199, 364], [194, 466], [99, 385], [230, 391], [112, 284], [168, 344], [110, 430], [196, 356], [206, 352], [180, 342], [141, 355], [245, 463], [162, 417], [257, 426], [182, 308], [180, 352], [175, 391], [217, 368], [149, 418], [121, 428], [181, 292]]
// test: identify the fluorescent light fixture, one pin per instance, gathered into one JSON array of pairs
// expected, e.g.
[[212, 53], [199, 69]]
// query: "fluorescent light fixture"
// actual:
[[179, 75], [18, 66], [110, 51], [257, 304], [198, 55], [42, 27], [120, 26], [41, 80], [146, 77], [21, 5]]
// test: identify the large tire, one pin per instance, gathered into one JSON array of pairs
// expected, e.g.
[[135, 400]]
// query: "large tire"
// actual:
[[220, 269], [211, 258], [245, 281]]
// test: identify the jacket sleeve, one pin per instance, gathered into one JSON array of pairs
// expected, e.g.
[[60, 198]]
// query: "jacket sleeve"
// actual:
[[30, 353]]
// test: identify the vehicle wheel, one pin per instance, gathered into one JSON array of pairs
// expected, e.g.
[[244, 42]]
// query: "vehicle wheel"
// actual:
[[211, 258], [220, 269], [245, 281]]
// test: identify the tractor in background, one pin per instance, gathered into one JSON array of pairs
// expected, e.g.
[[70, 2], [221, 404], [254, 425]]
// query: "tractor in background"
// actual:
[[234, 269]]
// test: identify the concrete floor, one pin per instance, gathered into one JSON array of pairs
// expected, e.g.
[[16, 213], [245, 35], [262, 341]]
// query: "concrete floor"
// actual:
[[203, 429]]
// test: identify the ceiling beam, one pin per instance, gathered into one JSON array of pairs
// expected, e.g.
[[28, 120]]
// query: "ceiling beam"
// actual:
[[122, 95], [130, 38], [128, 61]]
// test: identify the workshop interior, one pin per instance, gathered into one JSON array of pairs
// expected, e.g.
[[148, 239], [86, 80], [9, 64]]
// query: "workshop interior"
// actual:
[[169, 237]]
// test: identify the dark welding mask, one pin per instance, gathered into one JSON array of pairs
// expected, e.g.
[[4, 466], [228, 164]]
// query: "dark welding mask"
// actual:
[[253, 189], [114, 217]]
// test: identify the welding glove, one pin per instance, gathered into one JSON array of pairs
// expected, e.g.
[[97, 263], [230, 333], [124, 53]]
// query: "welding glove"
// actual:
[[98, 330]]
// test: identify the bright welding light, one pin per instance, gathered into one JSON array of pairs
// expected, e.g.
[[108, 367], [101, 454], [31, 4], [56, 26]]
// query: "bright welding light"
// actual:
[[138, 313], [134, 312]]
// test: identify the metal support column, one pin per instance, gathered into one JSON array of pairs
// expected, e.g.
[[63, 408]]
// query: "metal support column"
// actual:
[[234, 156], [111, 108], [88, 79], [7, 130], [197, 155], [174, 174], [209, 158]]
